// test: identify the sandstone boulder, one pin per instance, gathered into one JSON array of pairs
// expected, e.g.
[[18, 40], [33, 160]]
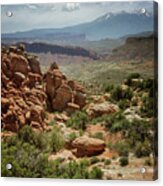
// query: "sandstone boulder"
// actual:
[[19, 64], [98, 109], [87, 146], [18, 78], [63, 96], [64, 155], [34, 64], [80, 99], [72, 107]]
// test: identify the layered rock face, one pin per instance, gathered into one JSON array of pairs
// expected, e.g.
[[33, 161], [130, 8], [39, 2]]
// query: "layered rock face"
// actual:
[[63, 95], [23, 98]]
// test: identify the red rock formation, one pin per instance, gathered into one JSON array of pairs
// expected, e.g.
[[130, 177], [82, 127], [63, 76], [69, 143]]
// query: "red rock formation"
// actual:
[[23, 95], [63, 94], [23, 98]]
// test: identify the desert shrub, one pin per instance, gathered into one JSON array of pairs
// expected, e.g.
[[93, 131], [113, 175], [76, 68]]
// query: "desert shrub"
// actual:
[[133, 76], [79, 170], [52, 141], [26, 160], [118, 93], [148, 84], [107, 162], [94, 160], [56, 140], [130, 77], [135, 132], [123, 161], [51, 123], [108, 88], [74, 170], [72, 136], [26, 134], [147, 109], [139, 131], [78, 120], [95, 173], [38, 139], [110, 121], [100, 119], [98, 135], [122, 148], [120, 125], [29, 160], [143, 149], [123, 104]]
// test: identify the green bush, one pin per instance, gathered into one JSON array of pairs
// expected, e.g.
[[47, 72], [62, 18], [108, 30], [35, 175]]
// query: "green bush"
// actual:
[[31, 160], [26, 160], [118, 93], [28, 153], [56, 140], [139, 131], [95, 173], [38, 139], [80, 171], [94, 160], [116, 122], [133, 76], [75, 170], [130, 77], [123, 161], [123, 104], [109, 88], [72, 136], [78, 120], [147, 109], [98, 135], [143, 149], [122, 148], [107, 162]]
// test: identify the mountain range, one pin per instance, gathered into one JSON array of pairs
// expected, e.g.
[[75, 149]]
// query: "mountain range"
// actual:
[[110, 25]]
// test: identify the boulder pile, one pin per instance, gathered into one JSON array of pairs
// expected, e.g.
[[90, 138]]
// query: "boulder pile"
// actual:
[[26, 92], [63, 95], [23, 98]]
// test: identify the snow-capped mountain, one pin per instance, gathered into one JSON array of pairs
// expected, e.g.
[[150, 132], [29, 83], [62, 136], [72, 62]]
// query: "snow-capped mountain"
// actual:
[[110, 25]]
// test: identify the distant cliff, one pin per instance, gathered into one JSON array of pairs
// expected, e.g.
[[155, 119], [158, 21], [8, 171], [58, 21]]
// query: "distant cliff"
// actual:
[[56, 49], [136, 48]]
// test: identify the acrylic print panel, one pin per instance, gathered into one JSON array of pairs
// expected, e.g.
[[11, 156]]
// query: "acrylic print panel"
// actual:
[[79, 90]]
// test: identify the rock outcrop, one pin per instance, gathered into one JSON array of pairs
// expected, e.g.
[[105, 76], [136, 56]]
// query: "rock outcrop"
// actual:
[[87, 146], [98, 109], [23, 98], [63, 94], [26, 92]]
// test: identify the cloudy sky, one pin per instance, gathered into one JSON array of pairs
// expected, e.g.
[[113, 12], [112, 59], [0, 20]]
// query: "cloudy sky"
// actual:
[[31, 16]]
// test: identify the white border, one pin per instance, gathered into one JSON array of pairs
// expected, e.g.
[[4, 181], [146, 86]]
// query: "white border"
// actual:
[[46, 182]]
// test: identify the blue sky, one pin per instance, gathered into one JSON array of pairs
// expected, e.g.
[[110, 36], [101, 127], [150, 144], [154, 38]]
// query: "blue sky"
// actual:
[[31, 16]]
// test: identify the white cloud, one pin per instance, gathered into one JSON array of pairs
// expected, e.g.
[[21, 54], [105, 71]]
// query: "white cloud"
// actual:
[[71, 7], [55, 15], [31, 6]]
